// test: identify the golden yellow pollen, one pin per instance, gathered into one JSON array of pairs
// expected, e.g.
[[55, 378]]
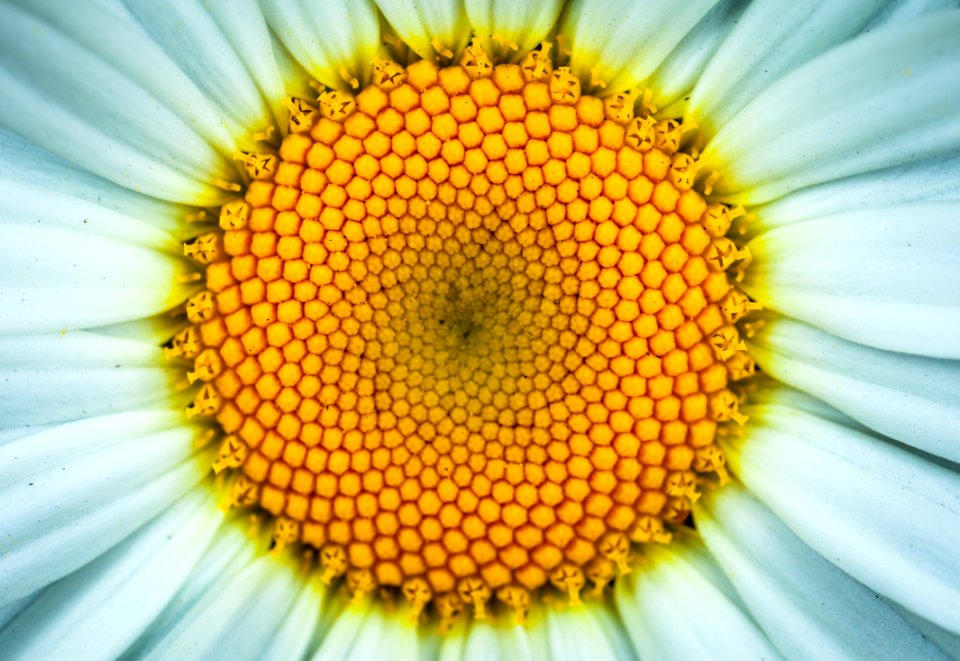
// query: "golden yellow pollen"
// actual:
[[469, 334]]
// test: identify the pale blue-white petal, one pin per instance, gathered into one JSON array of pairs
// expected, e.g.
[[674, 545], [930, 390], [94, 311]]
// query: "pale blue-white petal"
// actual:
[[155, 330], [76, 349], [523, 24], [381, 631], [99, 610], [425, 25], [925, 181], [347, 630], [152, 69], [614, 632], [770, 39], [242, 619], [889, 97], [335, 40], [770, 391], [582, 632], [681, 69], [889, 518], [292, 639], [86, 503], [55, 279], [623, 42], [12, 610], [481, 640], [913, 399], [882, 277], [190, 36], [655, 603], [948, 642], [33, 454], [244, 25], [229, 553], [297, 81], [28, 204], [8, 434], [57, 378], [99, 110], [809, 608], [894, 11], [37, 187]]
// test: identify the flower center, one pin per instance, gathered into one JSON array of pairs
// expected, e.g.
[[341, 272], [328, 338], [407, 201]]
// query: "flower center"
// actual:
[[470, 334]]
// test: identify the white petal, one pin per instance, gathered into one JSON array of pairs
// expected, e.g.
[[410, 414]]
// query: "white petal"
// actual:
[[83, 102], [243, 617], [524, 24], [655, 604], [770, 391], [230, 552], [54, 279], [881, 277], [577, 633], [297, 80], [681, 69], [35, 454], [292, 639], [889, 518], [808, 608], [156, 330], [349, 627], [621, 42], [40, 395], [152, 69], [948, 642], [10, 434], [330, 38], [484, 641], [85, 503], [381, 631], [422, 24], [909, 398], [894, 11], [926, 181], [9, 612], [37, 187], [770, 39], [99, 610], [244, 25], [887, 98], [76, 349], [192, 39]]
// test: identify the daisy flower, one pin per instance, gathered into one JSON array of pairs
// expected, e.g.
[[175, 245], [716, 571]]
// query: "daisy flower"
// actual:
[[341, 329]]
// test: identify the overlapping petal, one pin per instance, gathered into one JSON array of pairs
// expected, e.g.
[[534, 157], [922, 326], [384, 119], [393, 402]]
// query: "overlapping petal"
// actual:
[[98, 611], [49, 500], [913, 399], [334, 41], [876, 277], [139, 122], [809, 608], [511, 27], [656, 600], [215, 55], [890, 97], [887, 517], [621, 43], [429, 27]]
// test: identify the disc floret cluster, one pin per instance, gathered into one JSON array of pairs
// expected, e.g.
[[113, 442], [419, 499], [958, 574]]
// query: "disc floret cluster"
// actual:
[[469, 334]]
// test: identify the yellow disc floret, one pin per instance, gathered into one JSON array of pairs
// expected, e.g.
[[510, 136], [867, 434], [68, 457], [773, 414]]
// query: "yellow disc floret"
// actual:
[[469, 333]]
